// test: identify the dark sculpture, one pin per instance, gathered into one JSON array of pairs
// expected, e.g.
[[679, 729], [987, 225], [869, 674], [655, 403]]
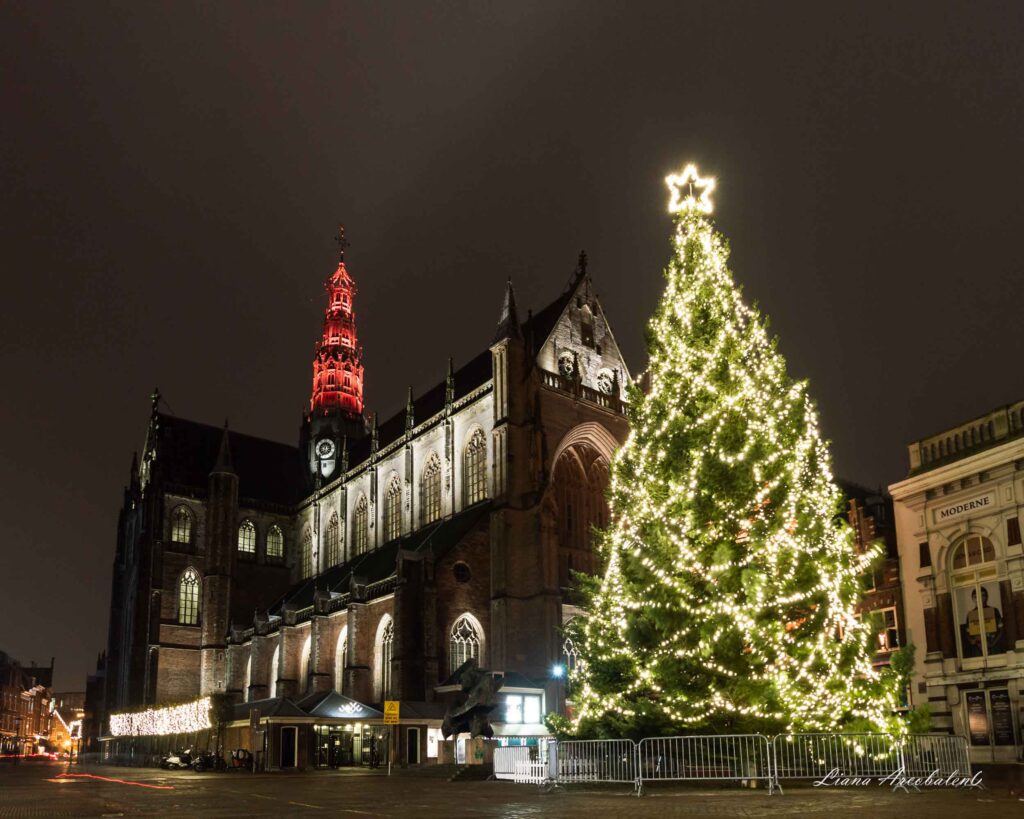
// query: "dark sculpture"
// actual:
[[472, 711]]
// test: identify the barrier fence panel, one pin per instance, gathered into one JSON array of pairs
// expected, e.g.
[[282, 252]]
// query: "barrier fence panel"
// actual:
[[814, 756], [926, 753], [597, 760], [513, 762], [738, 757]]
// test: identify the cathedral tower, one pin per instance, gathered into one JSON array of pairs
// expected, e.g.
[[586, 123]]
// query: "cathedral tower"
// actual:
[[336, 403]]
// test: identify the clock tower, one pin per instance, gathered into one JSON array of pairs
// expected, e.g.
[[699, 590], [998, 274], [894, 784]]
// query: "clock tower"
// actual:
[[336, 404]]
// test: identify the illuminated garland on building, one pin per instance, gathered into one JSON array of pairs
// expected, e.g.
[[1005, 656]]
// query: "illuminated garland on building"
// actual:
[[728, 601], [154, 722]]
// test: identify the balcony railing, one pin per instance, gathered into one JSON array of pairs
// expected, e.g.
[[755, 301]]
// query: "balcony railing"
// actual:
[[575, 388]]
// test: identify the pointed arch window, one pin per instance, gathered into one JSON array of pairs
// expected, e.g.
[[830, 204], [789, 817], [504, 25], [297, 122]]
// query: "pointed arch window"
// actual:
[[307, 553], [386, 652], [275, 544], [247, 538], [430, 491], [274, 662], [188, 597], [360, 528], [181, 525], [332, 543], [307, 650], [463, 642], [393, 510], [572, 656], [475, 469], [341, 660], [246, 692]]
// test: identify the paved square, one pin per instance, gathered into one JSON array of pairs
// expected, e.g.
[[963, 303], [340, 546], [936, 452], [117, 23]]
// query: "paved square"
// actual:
[[47, 790]]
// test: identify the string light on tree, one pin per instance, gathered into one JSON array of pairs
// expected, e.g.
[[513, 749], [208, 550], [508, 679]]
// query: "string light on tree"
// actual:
[[728, 599]]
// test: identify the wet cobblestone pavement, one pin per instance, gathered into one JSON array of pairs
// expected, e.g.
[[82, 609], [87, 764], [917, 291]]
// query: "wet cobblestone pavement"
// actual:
[[45, 790]]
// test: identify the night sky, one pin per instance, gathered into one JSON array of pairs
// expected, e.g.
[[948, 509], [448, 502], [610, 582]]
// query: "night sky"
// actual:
[[171, 177]]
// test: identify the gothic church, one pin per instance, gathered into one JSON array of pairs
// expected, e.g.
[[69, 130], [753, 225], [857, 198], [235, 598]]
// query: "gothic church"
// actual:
[[374, 558]]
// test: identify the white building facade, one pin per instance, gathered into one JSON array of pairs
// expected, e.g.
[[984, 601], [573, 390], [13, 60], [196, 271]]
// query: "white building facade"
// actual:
[[959, 516]]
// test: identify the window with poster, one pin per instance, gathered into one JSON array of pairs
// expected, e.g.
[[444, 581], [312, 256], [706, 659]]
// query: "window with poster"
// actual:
[[981, 632]]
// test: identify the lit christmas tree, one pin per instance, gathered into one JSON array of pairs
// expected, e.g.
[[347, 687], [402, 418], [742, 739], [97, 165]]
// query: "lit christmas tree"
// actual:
[[727, 602]]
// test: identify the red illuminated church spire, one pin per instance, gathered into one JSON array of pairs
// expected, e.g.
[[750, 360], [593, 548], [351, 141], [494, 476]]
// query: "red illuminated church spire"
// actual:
[[337, 363]]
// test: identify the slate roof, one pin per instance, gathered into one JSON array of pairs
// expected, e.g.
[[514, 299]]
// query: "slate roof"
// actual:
[[468, 377], [380, 563], [538, 327], [274, 707], [337, 706], [267, 470]]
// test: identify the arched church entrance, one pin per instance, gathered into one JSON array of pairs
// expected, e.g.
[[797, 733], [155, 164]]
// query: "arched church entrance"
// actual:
[[575, 502]]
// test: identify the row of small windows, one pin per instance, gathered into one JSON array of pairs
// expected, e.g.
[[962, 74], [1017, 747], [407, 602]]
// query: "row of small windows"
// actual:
[[475, 490], [181, 532], [961, 441], [247, 540]]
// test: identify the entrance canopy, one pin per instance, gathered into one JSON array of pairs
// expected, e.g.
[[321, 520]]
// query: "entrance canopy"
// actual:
[[332, 705]]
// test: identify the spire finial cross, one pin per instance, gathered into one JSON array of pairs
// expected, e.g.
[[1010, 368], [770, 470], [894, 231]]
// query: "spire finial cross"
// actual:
[[341, 241]]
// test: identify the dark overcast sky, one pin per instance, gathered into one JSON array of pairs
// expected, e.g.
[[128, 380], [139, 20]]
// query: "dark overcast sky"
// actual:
[[171, 176]]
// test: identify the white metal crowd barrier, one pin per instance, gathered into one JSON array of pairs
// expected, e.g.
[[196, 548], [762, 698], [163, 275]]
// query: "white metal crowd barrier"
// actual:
[[816, 756], [596, 760], [735, 757], [924, 753]]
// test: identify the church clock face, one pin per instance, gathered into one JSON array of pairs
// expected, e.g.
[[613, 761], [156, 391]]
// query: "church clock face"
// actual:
[[325, 448]]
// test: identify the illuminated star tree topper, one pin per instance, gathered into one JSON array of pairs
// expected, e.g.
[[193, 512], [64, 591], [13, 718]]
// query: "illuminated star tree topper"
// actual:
[[690, 191]]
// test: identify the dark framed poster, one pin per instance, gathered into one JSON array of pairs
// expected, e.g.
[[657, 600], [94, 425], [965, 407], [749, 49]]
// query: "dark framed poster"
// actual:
[[977, 718], [1002, 717]]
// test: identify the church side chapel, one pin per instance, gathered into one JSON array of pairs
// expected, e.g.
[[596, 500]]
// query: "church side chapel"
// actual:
[[312, 583]]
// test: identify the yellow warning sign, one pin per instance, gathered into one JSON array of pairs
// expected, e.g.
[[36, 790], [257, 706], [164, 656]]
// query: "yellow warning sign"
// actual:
[[391, 712]]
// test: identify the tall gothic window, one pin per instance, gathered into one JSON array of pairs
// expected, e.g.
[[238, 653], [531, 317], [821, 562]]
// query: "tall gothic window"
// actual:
[[275, 543], [387, 651], [181, 525], [393, 510], [341, 660], [247, 538], [463, 643], [332, 552], [576, 506], [430, 490], [572, 658], [188, 597], [361, 531], [248, 678], [307, 554], [475, 469], [307, 648], [274, 662]]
